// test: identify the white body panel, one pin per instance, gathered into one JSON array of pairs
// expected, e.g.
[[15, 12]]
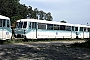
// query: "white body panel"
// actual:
[[83, 35], [5, 35], [49, 34], [31, 35]]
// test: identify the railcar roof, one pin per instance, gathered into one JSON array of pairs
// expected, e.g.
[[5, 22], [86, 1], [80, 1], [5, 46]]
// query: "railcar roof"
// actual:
[[4, 17], [43, 21], [79, 25], [52, 22]]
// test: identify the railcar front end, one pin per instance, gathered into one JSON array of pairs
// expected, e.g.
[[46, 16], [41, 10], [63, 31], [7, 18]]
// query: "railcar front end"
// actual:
[[5, 28]]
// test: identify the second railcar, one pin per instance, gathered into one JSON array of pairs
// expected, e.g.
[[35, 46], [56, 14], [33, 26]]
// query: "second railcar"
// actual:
[[41, 29]]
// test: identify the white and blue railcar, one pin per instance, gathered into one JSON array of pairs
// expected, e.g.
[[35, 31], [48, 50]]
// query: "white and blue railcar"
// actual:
[[41, 29], [82, 31], [5, 28]]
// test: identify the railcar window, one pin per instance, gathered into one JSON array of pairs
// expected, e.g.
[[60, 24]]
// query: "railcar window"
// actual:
[[62, 27], [84, 29], [24, 24], [8, 23], [81, 28], [72, 28], [4, 23], [29, 24], [0, 23], [49, 26], [68, 28], [76, 28], [88, 29], [41, 26], [33, 24], [56, 27], [20, 24]]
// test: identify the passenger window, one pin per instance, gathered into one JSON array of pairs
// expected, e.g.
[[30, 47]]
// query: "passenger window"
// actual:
[[56, 27], [76, 28], [81, 28], [62, 27], [84, 29], [49, 26], [41, 26], [68, 28]]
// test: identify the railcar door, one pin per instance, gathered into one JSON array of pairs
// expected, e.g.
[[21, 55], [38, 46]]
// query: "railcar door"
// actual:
[[89, 32], [34, 28], [86, 33], [3, 33], [76, 30], [0, 29]]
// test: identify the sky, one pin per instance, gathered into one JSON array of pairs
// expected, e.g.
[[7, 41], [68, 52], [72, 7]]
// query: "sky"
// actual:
[[71, 11]]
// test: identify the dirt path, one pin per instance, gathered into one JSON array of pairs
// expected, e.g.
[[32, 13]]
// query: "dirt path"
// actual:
[[57, 50], [40, 42]]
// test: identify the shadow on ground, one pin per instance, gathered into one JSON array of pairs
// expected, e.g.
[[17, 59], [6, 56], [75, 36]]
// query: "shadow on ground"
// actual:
[[43, 51]]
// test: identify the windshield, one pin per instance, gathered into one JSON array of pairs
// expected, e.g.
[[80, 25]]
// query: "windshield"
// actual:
[[21, 24], [2, 22]]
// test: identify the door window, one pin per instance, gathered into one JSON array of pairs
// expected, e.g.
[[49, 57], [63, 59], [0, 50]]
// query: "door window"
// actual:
[[4, 23], [0, 23]]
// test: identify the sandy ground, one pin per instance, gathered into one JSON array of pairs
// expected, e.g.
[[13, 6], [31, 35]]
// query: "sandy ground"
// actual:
[[57, 50]]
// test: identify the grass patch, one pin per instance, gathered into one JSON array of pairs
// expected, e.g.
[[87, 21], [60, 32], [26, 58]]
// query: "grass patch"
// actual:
[[12, 41], [33, 40]]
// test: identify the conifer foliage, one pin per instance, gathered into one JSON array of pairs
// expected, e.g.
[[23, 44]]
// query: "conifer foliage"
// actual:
[[15, 10]]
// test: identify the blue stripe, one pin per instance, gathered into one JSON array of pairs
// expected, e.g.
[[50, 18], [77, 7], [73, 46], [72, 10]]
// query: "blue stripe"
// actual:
[[6, 29]]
